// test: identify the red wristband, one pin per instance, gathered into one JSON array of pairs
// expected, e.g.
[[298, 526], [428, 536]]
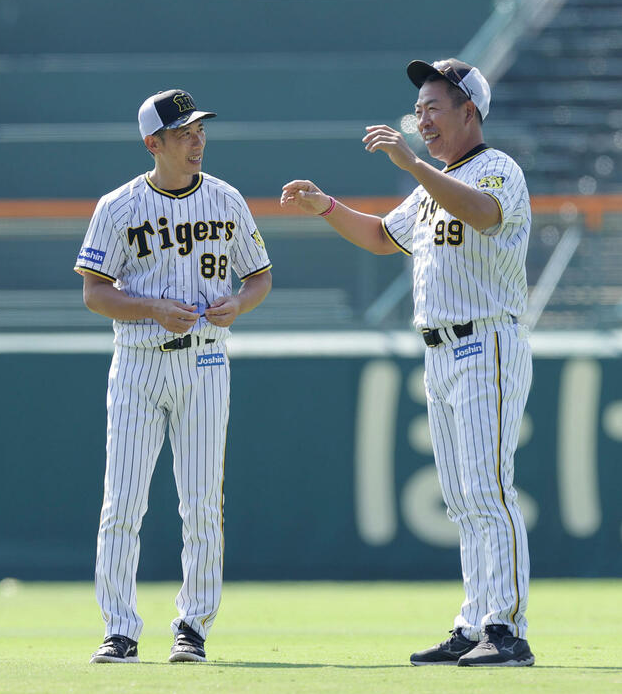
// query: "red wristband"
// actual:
[[331, 207]]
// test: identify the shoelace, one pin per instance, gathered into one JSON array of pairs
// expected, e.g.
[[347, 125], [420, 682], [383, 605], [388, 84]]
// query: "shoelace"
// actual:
[[118, 644], [455, 634], [188, 637], [494, 636]]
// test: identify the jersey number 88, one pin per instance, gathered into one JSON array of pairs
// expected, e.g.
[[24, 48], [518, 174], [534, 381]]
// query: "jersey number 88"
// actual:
[[210, 265]]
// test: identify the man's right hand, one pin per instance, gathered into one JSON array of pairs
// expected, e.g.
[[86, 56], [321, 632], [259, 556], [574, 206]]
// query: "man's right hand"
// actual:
[[174, 316], [305, 195]]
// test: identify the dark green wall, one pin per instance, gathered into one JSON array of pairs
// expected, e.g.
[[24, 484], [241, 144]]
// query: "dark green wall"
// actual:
[[292, 510], [248, 60], [239, 26]]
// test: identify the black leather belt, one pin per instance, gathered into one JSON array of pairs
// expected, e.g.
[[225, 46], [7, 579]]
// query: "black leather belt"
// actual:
[[432, 337], [185, 342]]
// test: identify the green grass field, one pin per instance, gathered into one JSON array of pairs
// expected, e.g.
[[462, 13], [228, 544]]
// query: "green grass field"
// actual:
[[307, 637]]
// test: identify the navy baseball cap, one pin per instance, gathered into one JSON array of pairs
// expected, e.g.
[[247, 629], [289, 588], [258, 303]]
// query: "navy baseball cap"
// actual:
[[167, 111], [464, 76]]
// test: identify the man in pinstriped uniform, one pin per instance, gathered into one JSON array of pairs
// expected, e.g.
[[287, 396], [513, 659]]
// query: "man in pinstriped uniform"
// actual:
[[467, 229], [157, 258]]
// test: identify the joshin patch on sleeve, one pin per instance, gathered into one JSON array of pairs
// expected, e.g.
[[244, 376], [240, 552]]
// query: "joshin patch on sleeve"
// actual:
[[92, 255], [491, 182]]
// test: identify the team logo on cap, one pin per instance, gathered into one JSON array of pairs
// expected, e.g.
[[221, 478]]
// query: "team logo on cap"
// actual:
[[491, 182], [184, 102]]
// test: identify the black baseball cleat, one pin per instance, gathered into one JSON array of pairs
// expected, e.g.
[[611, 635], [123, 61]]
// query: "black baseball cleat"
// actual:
[[446, 653], [116, 649], [188, 646], [499, 648]]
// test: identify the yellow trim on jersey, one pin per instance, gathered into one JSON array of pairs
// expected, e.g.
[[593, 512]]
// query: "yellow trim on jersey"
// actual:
[[393, 241], [257, 272], [496, 226], [496, 199], [81, 270], [501, 493], [222, 504], [464, 161], [168, 194]]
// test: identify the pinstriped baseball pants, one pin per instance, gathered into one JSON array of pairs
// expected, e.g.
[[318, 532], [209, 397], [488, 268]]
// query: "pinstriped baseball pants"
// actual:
[[476, 389], [148, 392]]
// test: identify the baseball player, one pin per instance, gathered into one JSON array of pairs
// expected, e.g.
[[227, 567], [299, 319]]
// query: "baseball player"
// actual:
[[467, 229], [157, 258]]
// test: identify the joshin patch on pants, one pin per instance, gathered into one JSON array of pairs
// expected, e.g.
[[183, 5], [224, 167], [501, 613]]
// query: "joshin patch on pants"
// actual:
[[216, 359], [468, 350]]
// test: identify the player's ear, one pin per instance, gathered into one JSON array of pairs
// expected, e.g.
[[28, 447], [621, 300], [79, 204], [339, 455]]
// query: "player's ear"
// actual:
[[153, 143], [470, 112]]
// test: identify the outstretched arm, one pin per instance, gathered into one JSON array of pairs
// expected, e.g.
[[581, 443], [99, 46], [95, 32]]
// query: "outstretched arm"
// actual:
[[363, 230]]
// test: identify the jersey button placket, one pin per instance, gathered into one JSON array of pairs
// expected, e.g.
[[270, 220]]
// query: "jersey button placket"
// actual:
[[185, 261], [174, 268]]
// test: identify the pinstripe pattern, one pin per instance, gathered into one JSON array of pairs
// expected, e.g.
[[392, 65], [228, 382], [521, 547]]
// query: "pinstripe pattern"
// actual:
[[493, 261], [165, 269], [514, 568], [475, 406], [193, 404], [155, 244], [476, 386]]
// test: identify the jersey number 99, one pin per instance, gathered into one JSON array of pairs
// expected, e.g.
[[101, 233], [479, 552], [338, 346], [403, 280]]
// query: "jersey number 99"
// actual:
[[454, 235]]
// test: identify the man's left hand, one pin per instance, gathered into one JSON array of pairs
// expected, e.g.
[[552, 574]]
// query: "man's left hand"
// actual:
[[223, 311]]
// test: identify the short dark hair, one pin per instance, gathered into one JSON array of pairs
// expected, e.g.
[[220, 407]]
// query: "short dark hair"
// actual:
[[458, 97]]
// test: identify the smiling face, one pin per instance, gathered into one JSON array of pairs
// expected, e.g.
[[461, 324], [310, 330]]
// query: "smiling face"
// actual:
[[449, 129], [178, 154]]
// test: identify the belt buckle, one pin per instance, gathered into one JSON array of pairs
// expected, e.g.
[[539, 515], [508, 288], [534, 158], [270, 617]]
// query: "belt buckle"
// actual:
[[463, 330], [427, 331], [177, 343]]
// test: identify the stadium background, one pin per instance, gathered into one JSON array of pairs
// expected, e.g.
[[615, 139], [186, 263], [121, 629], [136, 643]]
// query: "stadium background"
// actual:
[[329, 471]]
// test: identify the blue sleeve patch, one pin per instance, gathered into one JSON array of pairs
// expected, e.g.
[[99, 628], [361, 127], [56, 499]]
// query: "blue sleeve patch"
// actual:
[[216, 359], [92, 255]]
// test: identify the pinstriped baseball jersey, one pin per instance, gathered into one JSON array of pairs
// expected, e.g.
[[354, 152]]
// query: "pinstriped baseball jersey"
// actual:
[[175, 245], [476, 385], [158, 244], [461, 274]]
